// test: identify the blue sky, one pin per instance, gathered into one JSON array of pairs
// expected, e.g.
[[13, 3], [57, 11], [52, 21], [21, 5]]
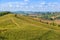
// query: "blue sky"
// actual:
[[30, 5]]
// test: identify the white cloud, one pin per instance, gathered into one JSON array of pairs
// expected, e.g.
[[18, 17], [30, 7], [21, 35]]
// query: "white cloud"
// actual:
[[10, 5], [42, 6], [42, 3], [26, 0], [13, 6]]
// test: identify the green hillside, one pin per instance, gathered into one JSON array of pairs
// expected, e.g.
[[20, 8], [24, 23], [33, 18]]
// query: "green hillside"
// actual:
[[26, 28]]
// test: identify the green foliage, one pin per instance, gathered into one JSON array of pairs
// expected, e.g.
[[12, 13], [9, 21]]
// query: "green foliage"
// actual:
[[4, 13], [54, 24], [58, 25]]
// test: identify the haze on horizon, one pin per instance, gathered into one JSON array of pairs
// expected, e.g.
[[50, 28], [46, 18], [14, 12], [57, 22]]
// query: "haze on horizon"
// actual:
[[30, 5]]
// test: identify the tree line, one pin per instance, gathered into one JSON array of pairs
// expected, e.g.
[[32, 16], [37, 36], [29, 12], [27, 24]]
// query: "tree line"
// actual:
[[4, 13]]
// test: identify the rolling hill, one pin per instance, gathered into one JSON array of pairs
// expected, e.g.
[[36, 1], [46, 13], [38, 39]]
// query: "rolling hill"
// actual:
[[22, 27]]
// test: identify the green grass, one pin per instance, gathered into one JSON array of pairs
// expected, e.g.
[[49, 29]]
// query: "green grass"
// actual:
[[26, 28]]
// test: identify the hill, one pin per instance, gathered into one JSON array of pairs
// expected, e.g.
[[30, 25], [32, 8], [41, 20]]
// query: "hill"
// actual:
[[20, 27]]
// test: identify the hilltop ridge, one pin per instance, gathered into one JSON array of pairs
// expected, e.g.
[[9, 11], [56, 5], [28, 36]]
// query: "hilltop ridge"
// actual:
[[20, 27]]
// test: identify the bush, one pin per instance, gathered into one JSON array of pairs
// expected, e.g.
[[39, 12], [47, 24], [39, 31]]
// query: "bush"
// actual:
[[58, 25], [54, 24]]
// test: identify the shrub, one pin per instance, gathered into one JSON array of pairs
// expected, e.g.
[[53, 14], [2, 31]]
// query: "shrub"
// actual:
[[58, 25], [54, 24]]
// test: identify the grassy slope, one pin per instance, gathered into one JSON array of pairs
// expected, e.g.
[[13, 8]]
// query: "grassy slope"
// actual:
[[25, 28]]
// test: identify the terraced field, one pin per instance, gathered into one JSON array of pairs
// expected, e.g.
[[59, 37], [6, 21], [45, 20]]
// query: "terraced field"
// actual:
[[26, 28]]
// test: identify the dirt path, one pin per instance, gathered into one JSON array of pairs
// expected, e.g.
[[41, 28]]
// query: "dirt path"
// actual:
[[15, 22]]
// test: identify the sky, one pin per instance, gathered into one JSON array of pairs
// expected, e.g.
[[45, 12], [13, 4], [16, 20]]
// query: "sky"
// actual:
[[30, 5]]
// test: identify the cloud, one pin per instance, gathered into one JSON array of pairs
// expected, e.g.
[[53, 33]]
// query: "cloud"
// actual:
[[42, 3], [14, 6], [42, 6], [26, 0]]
